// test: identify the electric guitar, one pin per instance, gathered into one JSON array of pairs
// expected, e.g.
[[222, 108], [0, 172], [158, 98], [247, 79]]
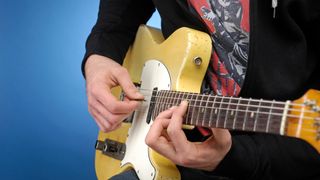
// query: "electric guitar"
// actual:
[[169, 71]]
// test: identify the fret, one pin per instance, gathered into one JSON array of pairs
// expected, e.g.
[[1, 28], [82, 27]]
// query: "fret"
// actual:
[[269, 116], [211, 110], [275, 124], [187, 96], [202, 107], [261, 116], [253, 114], [257, 115], [236, 114], [166, 103], [158, 103], [229, 120], [177, 98], [197, 109], [162, 105], [219, 111], [284, 118], [170, 99], [193, 105], [226, 117], [246, 115], [205, 111]]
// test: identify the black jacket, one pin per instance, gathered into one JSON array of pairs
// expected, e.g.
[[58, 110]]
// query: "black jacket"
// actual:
[[284, 62]]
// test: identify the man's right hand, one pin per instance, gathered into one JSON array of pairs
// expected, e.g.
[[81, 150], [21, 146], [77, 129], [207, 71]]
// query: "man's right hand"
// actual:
[[102, 74]]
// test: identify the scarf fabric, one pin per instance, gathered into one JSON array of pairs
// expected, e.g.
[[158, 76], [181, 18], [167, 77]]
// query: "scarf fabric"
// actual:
[[228, 24]]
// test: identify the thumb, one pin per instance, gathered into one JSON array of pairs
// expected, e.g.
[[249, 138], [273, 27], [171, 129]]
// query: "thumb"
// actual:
[[128, 87]]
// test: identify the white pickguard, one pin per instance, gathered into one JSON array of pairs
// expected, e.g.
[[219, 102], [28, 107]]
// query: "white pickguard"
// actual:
[[154, 74]]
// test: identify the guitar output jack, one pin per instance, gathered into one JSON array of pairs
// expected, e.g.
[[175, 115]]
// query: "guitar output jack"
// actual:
[[197, 61]]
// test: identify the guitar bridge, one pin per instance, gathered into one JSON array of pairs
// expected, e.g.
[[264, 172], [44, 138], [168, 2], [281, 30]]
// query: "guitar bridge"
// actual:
[[111, 148]]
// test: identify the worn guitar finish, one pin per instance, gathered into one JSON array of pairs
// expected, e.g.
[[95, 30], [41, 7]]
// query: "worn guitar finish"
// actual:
[[172, 70]]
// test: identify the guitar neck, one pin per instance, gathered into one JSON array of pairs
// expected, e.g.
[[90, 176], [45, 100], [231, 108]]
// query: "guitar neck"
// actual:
[[232, 113]]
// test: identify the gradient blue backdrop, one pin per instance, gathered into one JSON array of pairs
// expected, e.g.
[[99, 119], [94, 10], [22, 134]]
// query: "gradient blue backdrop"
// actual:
[[45, 129]]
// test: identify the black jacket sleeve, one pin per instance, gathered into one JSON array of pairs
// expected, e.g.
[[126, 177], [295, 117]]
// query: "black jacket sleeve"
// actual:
[[116, 26], [267, 157]]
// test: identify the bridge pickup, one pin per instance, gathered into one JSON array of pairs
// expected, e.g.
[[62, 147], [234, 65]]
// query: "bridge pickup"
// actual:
[[111, 148], [152, 104]]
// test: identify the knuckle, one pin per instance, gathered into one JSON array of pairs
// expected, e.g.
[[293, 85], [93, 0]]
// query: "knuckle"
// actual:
[[94, 90], [113, 108], [104, 129], [113, 120], [149, 141]]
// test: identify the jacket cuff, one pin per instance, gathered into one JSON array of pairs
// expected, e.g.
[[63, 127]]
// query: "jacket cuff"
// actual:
[[113, 47], [238, 162]]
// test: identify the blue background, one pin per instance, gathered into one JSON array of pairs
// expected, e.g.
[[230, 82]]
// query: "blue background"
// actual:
[[45, 129]]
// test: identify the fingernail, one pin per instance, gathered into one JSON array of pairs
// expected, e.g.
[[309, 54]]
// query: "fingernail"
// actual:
[[138, 94], [184, 102]]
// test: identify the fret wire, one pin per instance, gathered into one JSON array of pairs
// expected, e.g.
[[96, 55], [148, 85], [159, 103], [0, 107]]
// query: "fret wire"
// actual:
[[199, 111], [205, 110], [180, 97], [193, 108], [231, 113], [269, 117], [228, 107], [167, 100], [256, 119], [175, 99], [246, 116], [233, 126], [218, 117], [156, 106], [160, 102], [163, 99], [171, 95], [188, 110], [213, 105]]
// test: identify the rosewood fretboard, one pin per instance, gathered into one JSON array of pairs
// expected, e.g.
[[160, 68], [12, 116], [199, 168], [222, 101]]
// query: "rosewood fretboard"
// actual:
[[224, 112]]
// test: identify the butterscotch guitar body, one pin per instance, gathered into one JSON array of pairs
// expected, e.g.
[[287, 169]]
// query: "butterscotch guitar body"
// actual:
[[168, 71], [186, 55]]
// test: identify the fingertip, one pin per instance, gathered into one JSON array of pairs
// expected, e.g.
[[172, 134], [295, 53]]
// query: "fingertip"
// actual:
[[172, 107], [184, 103], [138, 95]]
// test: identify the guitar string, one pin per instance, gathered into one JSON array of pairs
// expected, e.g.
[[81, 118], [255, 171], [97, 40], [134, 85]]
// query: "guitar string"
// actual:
[[238, 126], [225, 97], [241, 110], [265, 118], [303, 129], [228, 102], [298, 110], [271, 127]]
